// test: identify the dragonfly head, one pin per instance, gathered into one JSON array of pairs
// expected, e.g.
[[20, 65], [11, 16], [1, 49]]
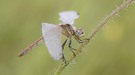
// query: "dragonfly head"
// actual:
[[79, 32]]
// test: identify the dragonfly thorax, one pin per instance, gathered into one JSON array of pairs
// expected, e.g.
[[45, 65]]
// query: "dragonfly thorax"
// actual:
[[68, 30]]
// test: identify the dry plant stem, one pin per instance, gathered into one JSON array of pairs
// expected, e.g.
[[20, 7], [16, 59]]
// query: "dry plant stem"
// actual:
[[99, 27]]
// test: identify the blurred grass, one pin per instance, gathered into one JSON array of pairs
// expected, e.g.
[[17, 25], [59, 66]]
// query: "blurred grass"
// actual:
[[111, 52]]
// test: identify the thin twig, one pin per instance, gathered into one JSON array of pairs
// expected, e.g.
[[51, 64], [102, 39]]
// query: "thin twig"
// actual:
[[99, 27]]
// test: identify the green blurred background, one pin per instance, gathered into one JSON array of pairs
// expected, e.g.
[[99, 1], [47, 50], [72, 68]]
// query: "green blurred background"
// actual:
[[111, 52]]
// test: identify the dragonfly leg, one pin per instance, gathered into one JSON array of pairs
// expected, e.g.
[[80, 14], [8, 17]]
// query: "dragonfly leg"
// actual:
[[79, 40], [71, 48], [82, 40], [63, 58], [64, 44], [86, 39]]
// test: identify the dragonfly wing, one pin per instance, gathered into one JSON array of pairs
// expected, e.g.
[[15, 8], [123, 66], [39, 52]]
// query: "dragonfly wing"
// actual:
[[52, 36], [68, 17]]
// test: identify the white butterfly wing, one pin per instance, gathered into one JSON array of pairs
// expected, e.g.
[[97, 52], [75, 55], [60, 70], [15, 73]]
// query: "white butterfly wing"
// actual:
[[68, 17], [52, 36]]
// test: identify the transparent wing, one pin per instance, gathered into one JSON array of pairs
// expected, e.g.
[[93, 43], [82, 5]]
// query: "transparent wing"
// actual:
[[52, 36], [68, 17]]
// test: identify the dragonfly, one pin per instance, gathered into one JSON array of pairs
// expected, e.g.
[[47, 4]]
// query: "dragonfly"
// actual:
[[52, 35]]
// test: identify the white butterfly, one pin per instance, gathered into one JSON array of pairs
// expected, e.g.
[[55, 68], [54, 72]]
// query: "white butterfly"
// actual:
[[51, 35]]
